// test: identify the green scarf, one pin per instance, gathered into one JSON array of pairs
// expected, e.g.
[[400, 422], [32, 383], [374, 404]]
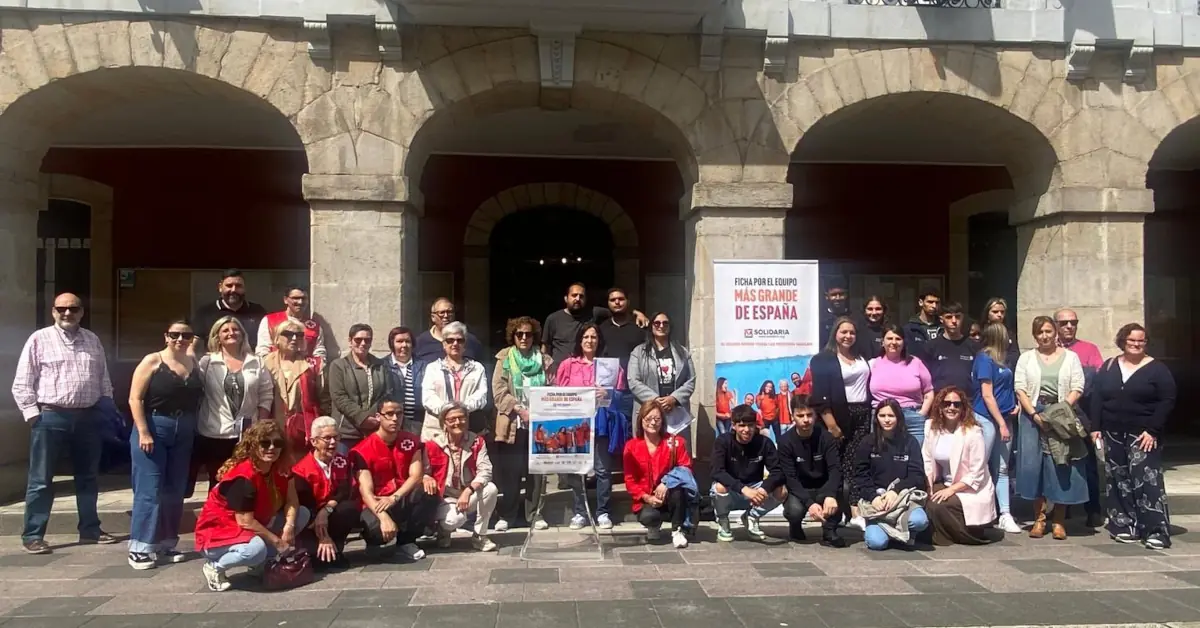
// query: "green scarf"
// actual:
[[524, 371]]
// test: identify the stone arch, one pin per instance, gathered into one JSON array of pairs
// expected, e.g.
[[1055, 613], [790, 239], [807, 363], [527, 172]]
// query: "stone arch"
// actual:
[[470, 74], [477, 262]]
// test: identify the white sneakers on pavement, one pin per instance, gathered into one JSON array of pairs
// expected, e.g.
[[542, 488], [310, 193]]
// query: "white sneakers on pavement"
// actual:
[[1008, 524]]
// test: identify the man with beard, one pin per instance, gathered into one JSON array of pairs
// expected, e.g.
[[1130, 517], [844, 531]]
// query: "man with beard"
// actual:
[[561, 328], [232, 302], [836, 306]]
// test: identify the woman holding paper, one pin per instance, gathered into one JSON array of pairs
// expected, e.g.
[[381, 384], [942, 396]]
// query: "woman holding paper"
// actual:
[[519, 367], [661, 370], [581, 370]]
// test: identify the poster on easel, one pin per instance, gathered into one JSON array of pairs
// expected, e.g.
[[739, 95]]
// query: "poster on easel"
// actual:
[[562, 430]]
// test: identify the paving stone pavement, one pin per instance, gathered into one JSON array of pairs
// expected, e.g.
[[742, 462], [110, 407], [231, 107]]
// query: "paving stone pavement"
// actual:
[[1018, 581]]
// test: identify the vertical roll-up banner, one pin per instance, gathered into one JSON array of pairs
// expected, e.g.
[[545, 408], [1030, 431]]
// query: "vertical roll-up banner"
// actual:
[[766, 331]]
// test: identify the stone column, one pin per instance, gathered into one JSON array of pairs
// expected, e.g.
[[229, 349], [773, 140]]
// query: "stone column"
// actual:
[[1082, 248], [18, 292], [725, 221], [364, 255]]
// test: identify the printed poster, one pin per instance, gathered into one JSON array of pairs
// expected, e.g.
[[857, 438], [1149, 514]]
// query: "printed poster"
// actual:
[[562, 430], [766, 324]]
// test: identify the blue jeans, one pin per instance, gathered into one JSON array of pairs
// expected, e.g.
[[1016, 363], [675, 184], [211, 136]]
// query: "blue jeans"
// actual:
[[256, 551], [999, 455], [160, 479], [914, 424], [722, 426], [724, 503], [877, 539], [53, 431], [603, 467]]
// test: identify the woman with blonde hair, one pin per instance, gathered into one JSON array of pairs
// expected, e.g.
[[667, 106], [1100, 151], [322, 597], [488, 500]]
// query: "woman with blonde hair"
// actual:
[[962, 497], [995, 407], [253, 512], [238, 390], [300, 387], [1045, 376]]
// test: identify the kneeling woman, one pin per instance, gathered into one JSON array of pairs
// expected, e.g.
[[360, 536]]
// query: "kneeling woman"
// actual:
[[459, 472], [961, 493], [325, 485], [658, 474], [887, 464], [253, 512]]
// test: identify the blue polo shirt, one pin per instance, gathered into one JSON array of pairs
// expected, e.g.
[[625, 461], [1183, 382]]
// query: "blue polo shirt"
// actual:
[[986, 369]]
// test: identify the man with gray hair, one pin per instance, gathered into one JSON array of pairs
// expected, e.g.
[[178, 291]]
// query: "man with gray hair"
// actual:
[[324, 484]]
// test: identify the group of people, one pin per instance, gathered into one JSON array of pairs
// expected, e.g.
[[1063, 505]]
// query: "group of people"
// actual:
[[566, 440], [895, 431]]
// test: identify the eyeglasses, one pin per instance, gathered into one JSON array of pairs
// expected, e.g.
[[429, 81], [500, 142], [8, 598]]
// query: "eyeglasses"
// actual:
[[662, 323], [361, 341], [291, 335], [952, 404], [1072, 323], [1131, 341], [70, 309], [455, 419], [453, 341], [522, 334], [443, 313], [267, 444], [176, 335], [390, 413], [329, 439]]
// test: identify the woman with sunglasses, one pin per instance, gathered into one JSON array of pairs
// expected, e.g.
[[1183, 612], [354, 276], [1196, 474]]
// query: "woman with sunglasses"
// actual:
[[454, 378], [238, 389], [661, 369], [164, 399], [962, 497], [253, 512], [300, 388], [519, 366], [358, 381]]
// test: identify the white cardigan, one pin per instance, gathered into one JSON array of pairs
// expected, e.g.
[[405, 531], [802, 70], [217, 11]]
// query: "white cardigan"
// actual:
[[434, 395], [1027, 377], [217, 419]]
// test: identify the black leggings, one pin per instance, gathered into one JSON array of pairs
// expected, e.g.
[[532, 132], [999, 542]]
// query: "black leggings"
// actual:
[[794, 511], [344, 518], [674, 509], [412, 514]]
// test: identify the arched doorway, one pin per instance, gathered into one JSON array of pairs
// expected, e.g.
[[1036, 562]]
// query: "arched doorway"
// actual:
[[534, 254]]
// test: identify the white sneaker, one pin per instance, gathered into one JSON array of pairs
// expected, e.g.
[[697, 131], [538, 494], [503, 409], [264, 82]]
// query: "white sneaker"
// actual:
[[858, 523], [653, 534], [215, 578], [577, 522], [412, 551], [604, 522], [540, 524], [1008, 524], [501, 525], [483, 544], [679, 540], [753, 529]]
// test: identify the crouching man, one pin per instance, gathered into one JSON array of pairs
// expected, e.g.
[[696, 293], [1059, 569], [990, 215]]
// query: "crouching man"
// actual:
[[812, 473], [746, 475]]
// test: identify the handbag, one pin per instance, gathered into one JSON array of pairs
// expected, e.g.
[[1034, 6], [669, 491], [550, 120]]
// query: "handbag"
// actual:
[[288, 572]]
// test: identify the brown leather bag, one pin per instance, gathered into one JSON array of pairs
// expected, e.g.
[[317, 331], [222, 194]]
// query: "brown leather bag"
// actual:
[[288, 572]]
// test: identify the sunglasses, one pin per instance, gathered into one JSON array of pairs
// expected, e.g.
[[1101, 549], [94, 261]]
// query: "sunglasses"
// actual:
[[952, 404], [453, 341], [291, 335], [361, 341], [70, 309], [267, 444], [1072, 323], [662, 323], [176, 335], [522, 334]]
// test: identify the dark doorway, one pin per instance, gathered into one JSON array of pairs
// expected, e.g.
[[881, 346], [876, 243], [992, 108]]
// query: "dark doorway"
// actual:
[[536, 253], [64, 257], [992, 267]]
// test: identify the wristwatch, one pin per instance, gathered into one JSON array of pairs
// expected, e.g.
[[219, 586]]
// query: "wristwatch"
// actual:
[[329, 510]]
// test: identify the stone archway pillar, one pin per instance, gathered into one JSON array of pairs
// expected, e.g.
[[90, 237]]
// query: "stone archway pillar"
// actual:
[[364, 254], [18, 292], [724, 221], [1083, 248], [960, 242]]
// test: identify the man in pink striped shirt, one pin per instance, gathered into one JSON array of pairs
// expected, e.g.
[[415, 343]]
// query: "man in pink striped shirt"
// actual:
[[61, 375], [1067, 323]]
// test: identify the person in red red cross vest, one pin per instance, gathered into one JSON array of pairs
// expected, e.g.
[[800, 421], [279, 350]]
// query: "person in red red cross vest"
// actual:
[[325, 486], [458, 472], [295, 300]]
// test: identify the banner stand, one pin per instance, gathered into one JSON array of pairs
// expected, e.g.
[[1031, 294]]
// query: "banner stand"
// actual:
[[563, 546]]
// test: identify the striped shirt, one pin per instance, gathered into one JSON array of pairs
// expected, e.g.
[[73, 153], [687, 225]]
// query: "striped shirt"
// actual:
[[59, 368], [403, 373]]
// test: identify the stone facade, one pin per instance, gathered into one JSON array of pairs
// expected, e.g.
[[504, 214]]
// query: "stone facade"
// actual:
[[1077, 151]]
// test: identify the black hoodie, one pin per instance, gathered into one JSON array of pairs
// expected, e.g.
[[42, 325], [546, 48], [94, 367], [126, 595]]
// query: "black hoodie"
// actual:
[[810, 463], [876, 470], [736, 466]]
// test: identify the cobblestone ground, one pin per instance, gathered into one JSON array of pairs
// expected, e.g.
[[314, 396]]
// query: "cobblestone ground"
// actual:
[[1086, 579]]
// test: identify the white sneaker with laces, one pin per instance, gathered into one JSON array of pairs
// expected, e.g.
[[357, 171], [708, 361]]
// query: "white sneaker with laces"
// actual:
[[679, 540], [215, 578], [1008, 524], [577, 522], [604, 522], [501, 525], [858, 523], [540, 524], [754, 530], [483, 544], [413, 551]]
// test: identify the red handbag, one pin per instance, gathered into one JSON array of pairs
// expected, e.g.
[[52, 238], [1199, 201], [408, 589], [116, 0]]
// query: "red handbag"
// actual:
[[288, 572]]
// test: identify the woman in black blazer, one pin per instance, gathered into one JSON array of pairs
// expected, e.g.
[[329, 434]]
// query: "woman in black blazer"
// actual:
[[841, 392]]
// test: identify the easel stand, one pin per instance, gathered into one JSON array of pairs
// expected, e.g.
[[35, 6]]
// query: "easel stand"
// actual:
[[564, 545]]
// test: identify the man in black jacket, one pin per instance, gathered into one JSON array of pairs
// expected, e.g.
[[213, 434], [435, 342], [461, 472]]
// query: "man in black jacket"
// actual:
[[812, 472], [746, 475]]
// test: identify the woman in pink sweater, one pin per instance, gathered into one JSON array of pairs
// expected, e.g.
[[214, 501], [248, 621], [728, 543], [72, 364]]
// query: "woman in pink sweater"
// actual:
[[904, 378]]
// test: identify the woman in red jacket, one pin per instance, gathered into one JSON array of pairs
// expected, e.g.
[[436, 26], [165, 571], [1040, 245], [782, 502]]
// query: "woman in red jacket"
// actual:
[[648, 457], [253, 512]]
